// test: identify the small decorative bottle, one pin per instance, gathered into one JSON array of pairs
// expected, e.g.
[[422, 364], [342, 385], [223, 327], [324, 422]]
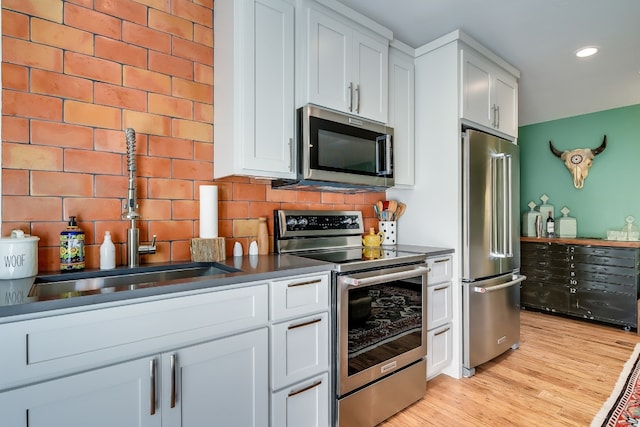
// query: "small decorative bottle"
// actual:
[[107, 253], [551, 226], [263, 236], [72, 247]]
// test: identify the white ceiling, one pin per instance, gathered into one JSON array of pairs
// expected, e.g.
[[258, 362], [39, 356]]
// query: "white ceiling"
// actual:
[[539, 37]]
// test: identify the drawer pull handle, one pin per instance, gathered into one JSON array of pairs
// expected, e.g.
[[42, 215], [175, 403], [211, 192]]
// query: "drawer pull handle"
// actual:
[[302, 325], [441, 260], [152, 369], [172, 360], [441, 332], [307, 388], [442, 288], [310, 282]]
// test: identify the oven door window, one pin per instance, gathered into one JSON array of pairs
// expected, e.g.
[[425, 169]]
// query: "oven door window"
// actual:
[[384, 321]]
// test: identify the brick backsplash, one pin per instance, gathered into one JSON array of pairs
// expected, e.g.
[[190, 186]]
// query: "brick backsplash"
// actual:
[[75, 74]]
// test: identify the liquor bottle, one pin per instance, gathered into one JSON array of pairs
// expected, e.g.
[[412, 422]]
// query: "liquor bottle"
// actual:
[[551, 226]]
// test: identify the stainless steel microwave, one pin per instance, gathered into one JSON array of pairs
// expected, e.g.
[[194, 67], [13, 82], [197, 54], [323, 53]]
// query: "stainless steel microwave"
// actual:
[[341, 152]]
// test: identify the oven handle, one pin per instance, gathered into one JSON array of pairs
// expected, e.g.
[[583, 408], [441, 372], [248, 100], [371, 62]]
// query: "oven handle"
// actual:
[[367, 281]]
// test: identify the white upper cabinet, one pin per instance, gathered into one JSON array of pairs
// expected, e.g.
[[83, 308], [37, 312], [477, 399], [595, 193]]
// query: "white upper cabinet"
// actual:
[[401, 112], [254, 88], [489, 93], [342, 64]]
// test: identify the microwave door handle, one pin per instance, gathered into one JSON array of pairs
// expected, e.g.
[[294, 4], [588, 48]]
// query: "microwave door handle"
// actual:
[[383, 155], [368, 281]]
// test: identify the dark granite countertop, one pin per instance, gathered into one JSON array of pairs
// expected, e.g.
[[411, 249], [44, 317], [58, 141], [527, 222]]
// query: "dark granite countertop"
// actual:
[[251, 269], [239, 271]]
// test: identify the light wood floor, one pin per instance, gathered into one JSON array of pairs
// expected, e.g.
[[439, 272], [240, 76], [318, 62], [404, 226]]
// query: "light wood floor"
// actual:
[[563, 372]]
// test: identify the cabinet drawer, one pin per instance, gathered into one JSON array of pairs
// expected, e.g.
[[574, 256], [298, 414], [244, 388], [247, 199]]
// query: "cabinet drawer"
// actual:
[[439, 348], [299, 349], [631, 263], [439, 269], [439, 310], [57, 345], [600, 251], [302, 404], [299, 296]]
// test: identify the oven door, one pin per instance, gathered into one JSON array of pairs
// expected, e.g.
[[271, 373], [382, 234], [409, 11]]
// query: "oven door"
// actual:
[[381, 323]]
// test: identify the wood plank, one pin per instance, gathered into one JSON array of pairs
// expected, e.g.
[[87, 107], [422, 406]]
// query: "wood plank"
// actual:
[[563, 372]]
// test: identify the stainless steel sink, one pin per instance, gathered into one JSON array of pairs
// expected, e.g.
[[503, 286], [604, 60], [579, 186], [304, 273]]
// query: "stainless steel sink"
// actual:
[[105, 281]]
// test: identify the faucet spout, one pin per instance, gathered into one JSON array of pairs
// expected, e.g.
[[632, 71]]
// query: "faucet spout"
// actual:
[[134, 249]]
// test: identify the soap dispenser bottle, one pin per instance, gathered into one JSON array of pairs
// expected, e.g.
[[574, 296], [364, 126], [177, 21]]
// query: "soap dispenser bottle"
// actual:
[[107, 253], [72, 247]]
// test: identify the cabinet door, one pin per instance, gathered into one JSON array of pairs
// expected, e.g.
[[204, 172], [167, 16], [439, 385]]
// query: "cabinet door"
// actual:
[[224, 380], [120, 395], [439, 347], [329, 81], [401, 116], [440, 307], [268, 142], [370, 77], [303, 404], [476, 89], [505, 91]]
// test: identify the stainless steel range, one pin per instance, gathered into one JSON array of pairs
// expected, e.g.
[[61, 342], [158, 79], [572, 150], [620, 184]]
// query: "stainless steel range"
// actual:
[[379, 303]]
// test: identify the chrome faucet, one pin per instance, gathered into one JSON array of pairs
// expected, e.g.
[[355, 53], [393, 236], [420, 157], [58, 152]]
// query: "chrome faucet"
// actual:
[[134, 248]]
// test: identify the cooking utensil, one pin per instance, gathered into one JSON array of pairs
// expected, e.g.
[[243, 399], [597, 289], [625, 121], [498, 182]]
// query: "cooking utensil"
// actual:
[[380, 207], [393, 206], [402, 207]]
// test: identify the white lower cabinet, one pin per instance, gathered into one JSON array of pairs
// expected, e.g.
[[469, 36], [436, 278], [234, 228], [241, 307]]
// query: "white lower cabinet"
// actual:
[[440, 346], [304, 404], [119, 395], [300, 351], [439, 314], [223, 380]]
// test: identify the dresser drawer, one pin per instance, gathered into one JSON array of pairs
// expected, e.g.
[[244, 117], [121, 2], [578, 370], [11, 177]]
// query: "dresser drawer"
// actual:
[[439, 310]]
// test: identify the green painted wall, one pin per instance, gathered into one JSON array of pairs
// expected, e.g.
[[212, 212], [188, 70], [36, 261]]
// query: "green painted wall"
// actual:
[[612, 189]]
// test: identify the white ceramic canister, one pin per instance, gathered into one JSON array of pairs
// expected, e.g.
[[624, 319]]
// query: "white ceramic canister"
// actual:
[[18, 256]]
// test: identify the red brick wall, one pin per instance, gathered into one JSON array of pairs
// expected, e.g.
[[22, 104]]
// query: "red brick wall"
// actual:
[[75, 74]]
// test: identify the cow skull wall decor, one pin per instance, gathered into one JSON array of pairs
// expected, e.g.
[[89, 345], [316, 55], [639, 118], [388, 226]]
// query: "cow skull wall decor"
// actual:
[[579, 161]]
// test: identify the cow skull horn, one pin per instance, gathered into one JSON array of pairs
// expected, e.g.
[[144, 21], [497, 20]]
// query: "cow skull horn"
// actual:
[[601, 148], [579, 160], [554, 150]]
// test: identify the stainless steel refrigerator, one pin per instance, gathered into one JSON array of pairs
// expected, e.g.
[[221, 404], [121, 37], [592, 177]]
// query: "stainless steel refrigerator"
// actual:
[[490, 248]]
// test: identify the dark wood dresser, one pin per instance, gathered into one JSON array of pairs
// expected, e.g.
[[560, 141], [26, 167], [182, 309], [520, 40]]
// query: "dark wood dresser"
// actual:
[[587, 278]]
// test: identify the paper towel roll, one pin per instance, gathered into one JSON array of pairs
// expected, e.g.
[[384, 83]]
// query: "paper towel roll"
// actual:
[[208, 211]]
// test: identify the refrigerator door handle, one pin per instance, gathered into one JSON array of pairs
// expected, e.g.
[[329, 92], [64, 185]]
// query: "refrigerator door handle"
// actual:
[[500, 215], [484, 290], [508, 234]]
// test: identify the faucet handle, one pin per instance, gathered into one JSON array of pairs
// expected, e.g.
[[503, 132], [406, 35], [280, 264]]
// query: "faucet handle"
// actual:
[[148, 249], [153, 241]]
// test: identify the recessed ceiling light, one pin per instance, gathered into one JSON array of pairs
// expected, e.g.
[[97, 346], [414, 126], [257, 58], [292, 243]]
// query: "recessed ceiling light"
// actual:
[[586, 51]]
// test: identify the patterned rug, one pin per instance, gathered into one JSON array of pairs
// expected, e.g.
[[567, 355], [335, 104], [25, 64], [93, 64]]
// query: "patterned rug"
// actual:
[[623, 406]]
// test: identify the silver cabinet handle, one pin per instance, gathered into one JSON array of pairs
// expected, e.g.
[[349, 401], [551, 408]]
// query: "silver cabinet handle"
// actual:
[[358, 99], [350, 96], [498, 116], [152, 376], [292, 155], [307, 388], [441, 288], [441, 332], [172, 362], [309, 282], [302, 325], [437, 261]]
